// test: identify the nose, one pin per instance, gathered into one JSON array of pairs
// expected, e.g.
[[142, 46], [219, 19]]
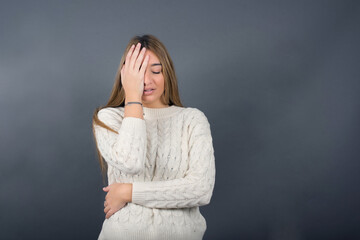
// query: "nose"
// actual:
[[147, 77]]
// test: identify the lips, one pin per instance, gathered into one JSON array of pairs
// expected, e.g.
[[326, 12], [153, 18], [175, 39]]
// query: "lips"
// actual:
[[148, 92]]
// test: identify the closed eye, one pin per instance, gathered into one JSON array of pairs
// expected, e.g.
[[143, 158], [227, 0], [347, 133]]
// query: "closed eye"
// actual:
[[156, 72]]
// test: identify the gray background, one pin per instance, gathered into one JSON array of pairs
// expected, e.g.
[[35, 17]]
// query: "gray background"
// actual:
[[278, 81]]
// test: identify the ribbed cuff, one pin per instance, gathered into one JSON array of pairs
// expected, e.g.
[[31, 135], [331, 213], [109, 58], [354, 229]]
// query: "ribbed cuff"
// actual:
[[138, 193]]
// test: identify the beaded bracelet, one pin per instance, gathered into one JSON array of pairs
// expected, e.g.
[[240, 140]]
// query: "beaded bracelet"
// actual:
[[136, 103]]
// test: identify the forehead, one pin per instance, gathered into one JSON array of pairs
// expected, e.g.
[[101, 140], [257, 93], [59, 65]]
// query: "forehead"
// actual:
[[153, 60]]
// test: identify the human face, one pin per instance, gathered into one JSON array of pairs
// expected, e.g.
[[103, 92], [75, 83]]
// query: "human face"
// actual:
[[153, 79]]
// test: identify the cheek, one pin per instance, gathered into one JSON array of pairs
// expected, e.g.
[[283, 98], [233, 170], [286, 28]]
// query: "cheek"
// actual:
[[160, 82]]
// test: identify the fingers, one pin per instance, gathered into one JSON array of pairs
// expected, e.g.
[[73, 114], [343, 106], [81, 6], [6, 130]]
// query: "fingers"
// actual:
[[128, 56], [106, 209], [139, 59], [134, 56], [109, 213], [144, 65]]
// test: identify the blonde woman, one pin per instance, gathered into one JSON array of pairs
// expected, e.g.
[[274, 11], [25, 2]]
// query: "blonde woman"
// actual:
[[158, 154]]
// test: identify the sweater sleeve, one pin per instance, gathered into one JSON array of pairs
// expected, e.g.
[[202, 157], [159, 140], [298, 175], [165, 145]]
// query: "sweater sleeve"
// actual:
[[196, 187], [126, 150]]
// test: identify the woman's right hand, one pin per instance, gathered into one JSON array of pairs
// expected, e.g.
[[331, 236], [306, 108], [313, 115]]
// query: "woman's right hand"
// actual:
[[132, 75]]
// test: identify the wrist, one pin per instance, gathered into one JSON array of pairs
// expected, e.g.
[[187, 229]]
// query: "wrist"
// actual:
[[128, 192], [133, 98]]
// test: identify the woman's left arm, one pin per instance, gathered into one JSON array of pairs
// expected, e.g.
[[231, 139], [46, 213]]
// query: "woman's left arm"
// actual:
[[196, 188], [118, 194]]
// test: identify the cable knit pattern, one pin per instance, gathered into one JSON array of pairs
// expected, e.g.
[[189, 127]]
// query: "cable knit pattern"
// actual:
[[125, 150], [169, 158]]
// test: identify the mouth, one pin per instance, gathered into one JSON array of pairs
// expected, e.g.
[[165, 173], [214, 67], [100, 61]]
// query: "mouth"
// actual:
[[149, 91]]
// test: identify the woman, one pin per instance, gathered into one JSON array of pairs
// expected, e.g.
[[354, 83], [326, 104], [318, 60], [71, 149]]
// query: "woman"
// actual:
[[158, 155]]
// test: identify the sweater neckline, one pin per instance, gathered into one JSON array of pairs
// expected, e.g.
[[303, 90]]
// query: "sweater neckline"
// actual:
[[155, 113]]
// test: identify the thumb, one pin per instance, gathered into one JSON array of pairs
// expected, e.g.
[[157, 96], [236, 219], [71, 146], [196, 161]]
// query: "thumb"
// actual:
[[106, 188]]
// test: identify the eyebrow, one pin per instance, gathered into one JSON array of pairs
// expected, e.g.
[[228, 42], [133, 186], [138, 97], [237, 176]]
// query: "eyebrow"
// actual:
[[154, 64]]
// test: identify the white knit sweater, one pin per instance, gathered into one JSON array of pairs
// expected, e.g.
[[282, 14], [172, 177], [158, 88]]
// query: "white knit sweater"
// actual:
[[169, 158]]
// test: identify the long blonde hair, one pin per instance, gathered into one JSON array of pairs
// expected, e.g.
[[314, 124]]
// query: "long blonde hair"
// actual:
[[117, 97]]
